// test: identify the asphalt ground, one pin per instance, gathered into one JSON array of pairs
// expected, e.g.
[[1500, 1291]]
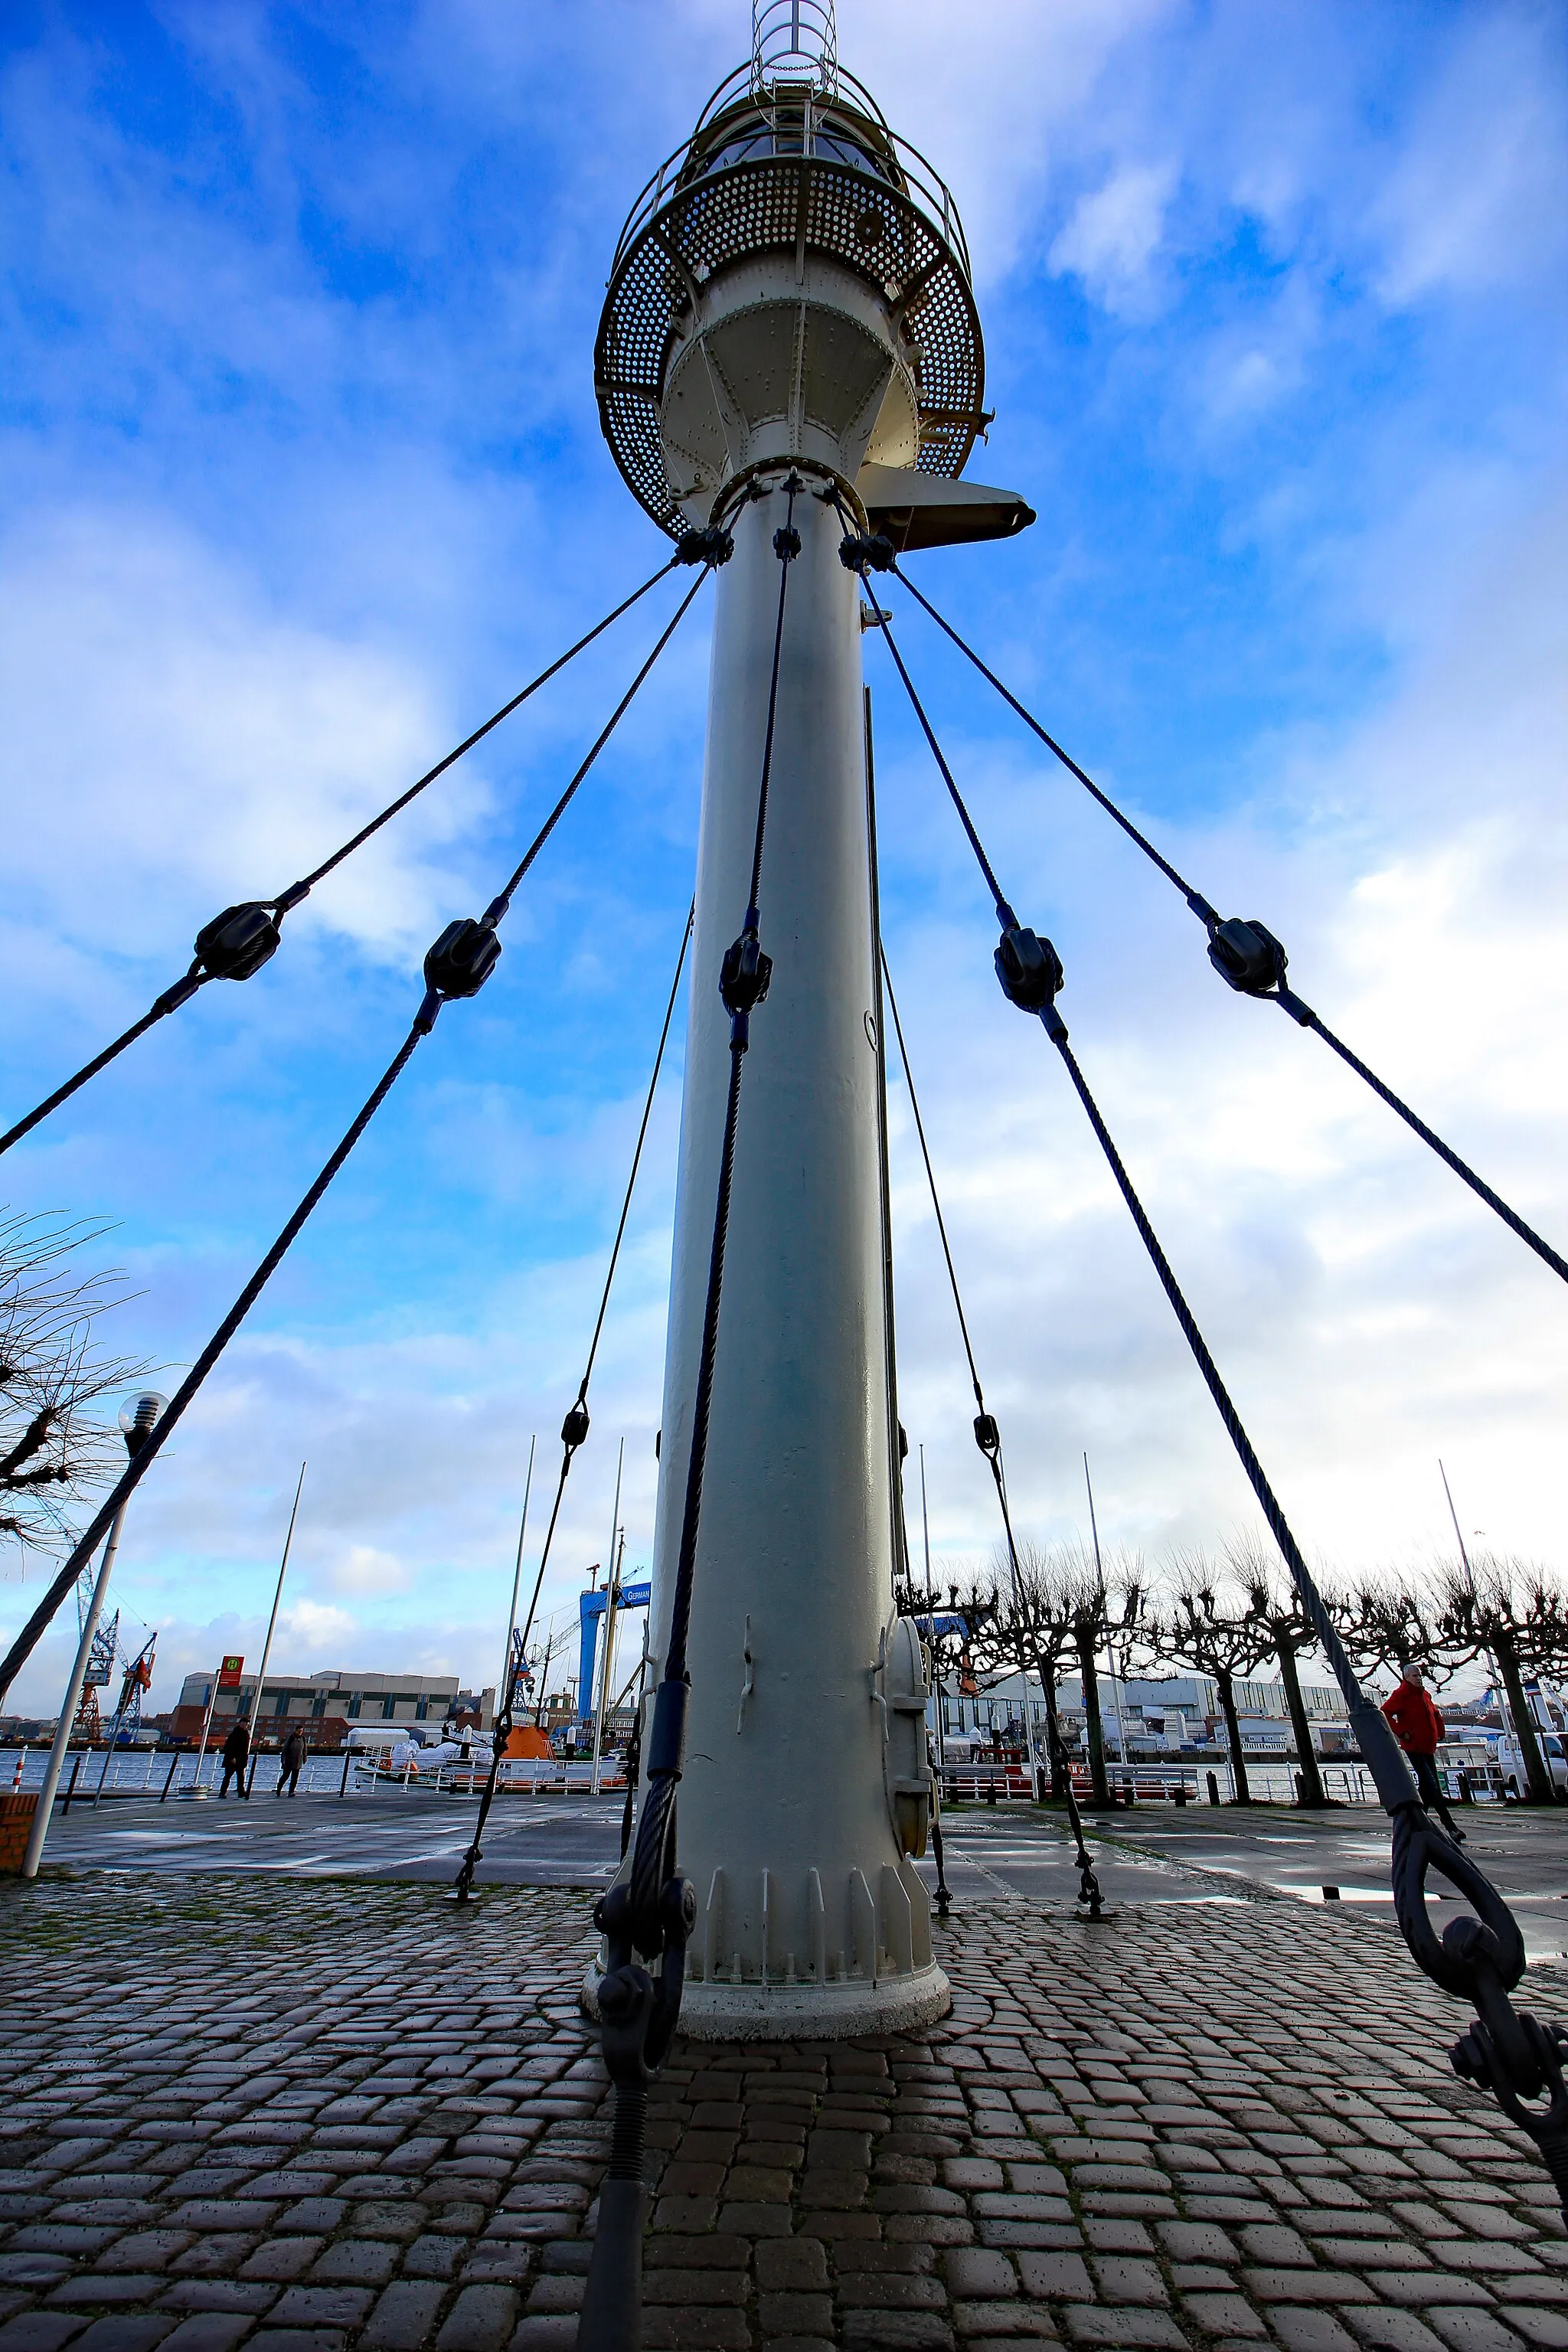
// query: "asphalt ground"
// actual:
[[1151, 1856]]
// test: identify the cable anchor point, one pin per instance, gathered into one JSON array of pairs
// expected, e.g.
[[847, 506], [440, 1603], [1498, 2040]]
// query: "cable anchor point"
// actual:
[[713, 546], [865, 552]]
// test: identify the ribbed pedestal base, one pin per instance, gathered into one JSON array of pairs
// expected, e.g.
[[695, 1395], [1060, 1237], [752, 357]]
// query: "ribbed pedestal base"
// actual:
[[803, 2012]]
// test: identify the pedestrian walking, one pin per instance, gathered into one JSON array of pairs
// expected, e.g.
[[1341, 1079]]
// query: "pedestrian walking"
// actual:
[[1418, 1727], [236, 1757], [288, 1765]]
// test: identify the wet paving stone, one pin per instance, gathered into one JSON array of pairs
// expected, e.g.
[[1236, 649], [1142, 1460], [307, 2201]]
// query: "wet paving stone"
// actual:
[[382, 2124]]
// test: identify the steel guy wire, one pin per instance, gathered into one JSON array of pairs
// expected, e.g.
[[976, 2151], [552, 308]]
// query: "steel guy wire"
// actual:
[[574, 1428], [457, 966], [988, 1437], [654, 1911], [1246, 954], [1480, 1958], [243, 937]]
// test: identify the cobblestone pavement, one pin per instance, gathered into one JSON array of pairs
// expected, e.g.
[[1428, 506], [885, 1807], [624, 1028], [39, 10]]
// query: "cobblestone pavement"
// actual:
[[315, 2116]]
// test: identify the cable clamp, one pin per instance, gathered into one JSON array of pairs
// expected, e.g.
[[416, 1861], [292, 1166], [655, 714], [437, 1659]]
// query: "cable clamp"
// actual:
[[1029, 970], [462, 960], [574, 1428], [744, 979], [1248, 957], [786, 544], [238, 941], [866, 551], [987, 1436], [713, 546]]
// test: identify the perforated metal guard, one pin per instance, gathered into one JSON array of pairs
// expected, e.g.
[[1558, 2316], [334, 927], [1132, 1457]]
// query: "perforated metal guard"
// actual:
[[757, 207]]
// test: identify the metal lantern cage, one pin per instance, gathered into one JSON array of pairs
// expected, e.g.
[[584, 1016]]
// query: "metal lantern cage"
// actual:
[[777, 166]]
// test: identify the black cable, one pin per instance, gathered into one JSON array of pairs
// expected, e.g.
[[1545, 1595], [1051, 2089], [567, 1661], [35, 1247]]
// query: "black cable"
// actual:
[[652, 1912], [136, 1470], [1194, 899], [1480, 1958], [930, 1179], [1245, 954], [297, 891], [502, 899], [574, 1431], [457, 965], [239, 959], [171, 999], [748, 988], [988, 1437], [1305, 1018]]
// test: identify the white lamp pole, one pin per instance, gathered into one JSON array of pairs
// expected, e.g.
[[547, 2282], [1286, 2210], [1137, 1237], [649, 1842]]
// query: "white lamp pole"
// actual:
[[136, 1422], [267, 1645]]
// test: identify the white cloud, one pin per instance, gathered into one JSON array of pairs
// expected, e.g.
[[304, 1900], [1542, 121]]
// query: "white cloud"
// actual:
[[365, 1569], [315, 1626], [186, 745], [1113, 237]]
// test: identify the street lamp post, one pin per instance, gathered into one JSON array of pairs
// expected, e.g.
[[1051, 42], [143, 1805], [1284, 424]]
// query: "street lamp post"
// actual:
[[137, 1420], [249, 1782]]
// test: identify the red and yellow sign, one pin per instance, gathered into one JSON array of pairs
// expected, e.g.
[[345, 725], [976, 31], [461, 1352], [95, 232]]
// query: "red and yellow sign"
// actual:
[[229, 1674]]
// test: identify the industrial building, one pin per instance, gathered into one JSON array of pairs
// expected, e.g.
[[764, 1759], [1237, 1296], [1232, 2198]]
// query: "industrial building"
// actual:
[[323, 1706]]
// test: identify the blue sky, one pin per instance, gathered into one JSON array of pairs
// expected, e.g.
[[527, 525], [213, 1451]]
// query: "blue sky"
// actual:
[[301, 476]]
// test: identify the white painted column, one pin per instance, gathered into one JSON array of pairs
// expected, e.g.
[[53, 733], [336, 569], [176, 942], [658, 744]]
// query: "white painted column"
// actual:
[[809, 1918]]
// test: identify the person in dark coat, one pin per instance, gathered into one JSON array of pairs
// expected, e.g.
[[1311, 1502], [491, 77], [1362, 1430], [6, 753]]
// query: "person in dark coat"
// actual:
[[236, 1757], [288, 1765]]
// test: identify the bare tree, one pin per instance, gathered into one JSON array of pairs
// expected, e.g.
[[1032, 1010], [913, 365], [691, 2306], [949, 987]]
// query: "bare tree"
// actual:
[[1104, 1607], [1209, 1625], [1513, 1610], [1025, 1625], [1279, 1613], [53, 1449], [1387, 1624]]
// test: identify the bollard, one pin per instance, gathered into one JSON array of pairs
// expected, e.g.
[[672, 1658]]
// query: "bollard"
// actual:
[[991, 1789], [1179, 1793], [1467, 1790], [1213, 1779], [1128, 1792], [173, 1768], [70, 1791], [1300, 1788], [343, 1783]]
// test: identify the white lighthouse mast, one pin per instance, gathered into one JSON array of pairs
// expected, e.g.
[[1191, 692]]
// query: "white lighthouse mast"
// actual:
[[790, 305]]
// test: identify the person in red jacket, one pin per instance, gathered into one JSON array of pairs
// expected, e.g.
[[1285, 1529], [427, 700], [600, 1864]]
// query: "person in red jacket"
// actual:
[[1418, 1727]]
